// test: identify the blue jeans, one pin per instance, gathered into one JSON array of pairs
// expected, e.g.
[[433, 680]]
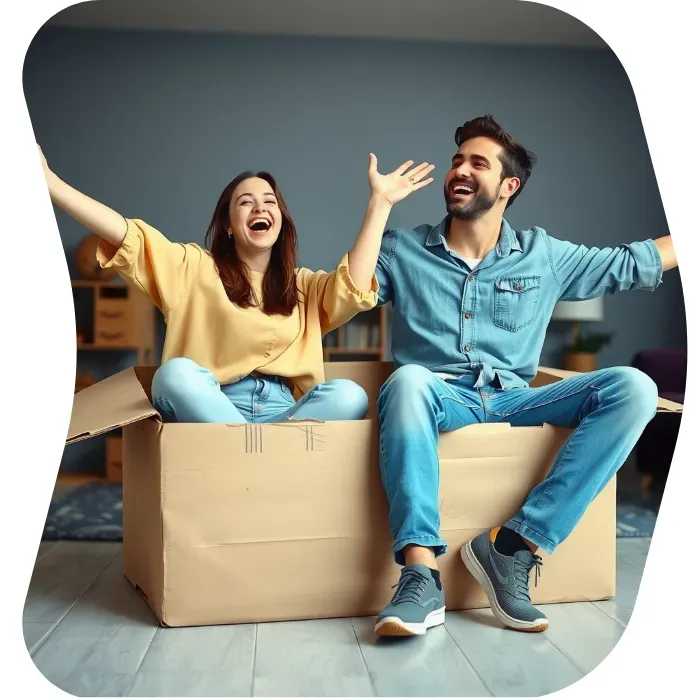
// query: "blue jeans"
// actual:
[[608, 410], [183, 391]]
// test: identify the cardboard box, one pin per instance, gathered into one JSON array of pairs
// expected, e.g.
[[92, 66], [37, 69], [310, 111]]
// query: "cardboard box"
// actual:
[[262, 522]]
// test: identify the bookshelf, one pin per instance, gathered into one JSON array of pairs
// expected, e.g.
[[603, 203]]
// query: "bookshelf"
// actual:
[[113, 316], [363, 338]]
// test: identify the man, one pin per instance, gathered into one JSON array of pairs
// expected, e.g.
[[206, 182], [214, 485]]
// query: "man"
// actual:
[[472, 301]]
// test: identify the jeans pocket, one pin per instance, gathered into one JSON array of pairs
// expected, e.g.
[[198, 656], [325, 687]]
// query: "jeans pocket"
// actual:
[[515, 302]]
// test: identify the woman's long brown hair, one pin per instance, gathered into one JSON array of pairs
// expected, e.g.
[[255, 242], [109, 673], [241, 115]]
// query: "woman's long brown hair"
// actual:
[[279, 288]]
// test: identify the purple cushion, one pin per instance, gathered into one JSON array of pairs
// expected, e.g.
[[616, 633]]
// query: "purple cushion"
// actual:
[[666, 366], [677, 396]]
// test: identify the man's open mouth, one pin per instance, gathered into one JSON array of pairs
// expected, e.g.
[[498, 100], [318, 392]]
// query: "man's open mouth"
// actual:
[[461, 189]]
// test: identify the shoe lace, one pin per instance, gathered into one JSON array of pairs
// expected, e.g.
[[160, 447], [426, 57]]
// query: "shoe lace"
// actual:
[[521, 574], [410, 587]]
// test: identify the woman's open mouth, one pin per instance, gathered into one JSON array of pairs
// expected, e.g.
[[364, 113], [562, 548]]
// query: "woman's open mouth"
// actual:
[[260, 225]]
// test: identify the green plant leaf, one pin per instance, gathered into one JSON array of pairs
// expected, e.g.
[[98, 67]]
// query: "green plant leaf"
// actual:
[[591, 343]]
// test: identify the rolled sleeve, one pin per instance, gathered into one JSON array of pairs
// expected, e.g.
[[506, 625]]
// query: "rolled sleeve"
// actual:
[[364, 300], [648, 262], [584, 273], [336, 295], [163, 270], [121, 258]]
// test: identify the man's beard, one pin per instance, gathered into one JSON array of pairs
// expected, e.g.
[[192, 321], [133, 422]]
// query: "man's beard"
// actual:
[[481, 203]]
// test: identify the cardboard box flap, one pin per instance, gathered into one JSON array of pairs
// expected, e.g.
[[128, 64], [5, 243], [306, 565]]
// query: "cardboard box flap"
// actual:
[[668, 406], [107, 405], [549, 375]]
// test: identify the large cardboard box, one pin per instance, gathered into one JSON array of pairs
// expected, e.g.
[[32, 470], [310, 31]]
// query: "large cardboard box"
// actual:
[[261, 522]]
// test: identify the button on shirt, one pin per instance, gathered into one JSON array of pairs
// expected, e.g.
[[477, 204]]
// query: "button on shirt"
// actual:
[[491, 319]]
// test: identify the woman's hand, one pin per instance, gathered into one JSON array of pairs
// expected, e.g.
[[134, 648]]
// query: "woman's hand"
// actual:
[[397, 185], [385, 191]]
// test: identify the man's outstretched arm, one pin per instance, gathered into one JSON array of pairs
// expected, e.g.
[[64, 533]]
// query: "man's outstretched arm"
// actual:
[[585, 273]]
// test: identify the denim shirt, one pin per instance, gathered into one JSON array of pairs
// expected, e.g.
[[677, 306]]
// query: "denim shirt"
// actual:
[[492, 321]]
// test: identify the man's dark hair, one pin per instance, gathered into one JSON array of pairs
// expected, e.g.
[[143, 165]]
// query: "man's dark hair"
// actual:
[[515, 159]]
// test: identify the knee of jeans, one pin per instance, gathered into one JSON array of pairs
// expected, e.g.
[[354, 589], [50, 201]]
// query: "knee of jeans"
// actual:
[[408, 380], [350, 397], [172, 377], [639, 390]]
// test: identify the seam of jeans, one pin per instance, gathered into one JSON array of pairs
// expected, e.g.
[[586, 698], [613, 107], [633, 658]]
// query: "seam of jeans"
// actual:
[[596, 400], [457, 401], [437, 491], [552, 472], [253, 400], [382, 470], [308, 397], [485, 392], [540, 405]]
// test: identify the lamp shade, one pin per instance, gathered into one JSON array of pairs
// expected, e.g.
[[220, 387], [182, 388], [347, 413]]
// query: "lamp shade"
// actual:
[[588, 310]]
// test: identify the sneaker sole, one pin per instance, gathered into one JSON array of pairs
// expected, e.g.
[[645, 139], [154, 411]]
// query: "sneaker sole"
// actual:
[[396, 627], [478, 572]]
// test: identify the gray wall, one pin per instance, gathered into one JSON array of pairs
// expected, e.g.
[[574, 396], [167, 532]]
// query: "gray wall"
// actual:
[[156, 124]]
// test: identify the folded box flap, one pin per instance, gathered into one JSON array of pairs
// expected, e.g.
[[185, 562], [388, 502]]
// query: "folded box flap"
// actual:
[[109, 404], [548, 375], [668, 406]]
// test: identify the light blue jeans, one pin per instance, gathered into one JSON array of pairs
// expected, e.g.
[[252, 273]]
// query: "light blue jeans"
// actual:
[[608, 410], [183, 391]]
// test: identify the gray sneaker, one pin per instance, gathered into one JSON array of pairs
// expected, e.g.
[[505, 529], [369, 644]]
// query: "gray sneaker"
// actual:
[[417, 605], [506, 582]]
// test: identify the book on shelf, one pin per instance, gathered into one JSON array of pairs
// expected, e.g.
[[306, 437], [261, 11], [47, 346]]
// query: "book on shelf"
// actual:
[[330, 340], [364, 336], [360, 336], [357, 334]]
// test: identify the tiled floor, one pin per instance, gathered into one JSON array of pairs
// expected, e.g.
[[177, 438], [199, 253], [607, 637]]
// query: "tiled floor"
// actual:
[[91, 634]]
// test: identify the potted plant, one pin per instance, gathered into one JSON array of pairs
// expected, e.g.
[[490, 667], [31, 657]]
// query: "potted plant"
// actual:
[[581, 355]]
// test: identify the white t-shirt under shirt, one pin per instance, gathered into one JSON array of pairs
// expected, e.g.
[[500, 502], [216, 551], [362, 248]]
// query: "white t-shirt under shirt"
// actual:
[[472, 262]]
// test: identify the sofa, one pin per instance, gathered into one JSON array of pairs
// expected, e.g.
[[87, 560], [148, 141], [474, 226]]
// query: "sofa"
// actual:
[[654, 449]]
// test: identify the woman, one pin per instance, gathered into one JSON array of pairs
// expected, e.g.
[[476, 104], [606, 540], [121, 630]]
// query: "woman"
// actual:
[[244, 324]]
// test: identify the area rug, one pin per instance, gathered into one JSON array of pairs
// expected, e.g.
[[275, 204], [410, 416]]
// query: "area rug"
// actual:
[[92, 512]]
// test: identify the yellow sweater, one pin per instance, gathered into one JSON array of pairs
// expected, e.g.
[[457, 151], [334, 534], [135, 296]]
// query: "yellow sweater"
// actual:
[[205, 326]]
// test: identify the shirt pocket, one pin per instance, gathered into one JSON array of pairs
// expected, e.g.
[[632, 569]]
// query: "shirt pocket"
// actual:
[[515, 303]]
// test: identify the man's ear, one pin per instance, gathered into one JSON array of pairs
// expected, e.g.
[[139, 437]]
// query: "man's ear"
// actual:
[[509, 187]]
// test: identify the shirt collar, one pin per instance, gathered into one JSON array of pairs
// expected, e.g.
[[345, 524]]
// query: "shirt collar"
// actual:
[[507, 241], [437, 235]]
